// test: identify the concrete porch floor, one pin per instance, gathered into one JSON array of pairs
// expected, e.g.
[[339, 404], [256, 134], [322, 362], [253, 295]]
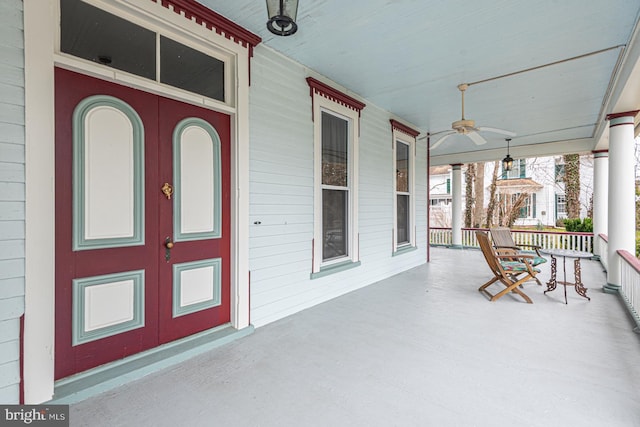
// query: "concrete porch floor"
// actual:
[[423, 348]]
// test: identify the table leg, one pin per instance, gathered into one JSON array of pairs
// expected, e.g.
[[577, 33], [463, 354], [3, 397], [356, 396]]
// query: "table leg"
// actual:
[[580, 289], [552, 283]]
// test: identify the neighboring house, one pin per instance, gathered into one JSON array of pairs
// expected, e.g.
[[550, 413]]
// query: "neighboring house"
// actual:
[[543, 180], [440, 196], [163, 206], [516, 182], [540, 178]]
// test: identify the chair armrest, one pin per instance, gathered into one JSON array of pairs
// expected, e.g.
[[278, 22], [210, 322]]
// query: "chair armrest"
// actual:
[[516, 256], [530, 246], [506, 247]]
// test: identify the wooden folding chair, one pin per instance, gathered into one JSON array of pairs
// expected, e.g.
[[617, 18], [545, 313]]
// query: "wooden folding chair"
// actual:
[[505, 245], [511, 270]]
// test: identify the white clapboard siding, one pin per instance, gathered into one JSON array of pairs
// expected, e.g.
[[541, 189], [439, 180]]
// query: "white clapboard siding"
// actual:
[[10, 134], [11, 172], [12, 230], [12, 196], [281, 195]]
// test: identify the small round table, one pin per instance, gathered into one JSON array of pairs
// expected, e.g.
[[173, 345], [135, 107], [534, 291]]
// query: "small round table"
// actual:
[[577, 284]]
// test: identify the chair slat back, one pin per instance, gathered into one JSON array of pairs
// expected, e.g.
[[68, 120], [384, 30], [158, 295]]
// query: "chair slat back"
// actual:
[[488, 251], [501, 236]]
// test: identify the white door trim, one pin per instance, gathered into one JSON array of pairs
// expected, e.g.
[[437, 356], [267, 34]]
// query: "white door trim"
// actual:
[[41, 34]]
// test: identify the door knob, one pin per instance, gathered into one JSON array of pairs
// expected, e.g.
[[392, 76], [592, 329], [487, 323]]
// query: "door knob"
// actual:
[[168, 245]]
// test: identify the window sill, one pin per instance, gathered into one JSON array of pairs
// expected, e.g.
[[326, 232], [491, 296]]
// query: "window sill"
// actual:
[[404, 249], [335, 268]]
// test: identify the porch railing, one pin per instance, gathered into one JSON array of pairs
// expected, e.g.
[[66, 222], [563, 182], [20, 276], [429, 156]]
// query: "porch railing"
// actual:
[[602, 243], [545, 239], [629, 277], [630, 284]]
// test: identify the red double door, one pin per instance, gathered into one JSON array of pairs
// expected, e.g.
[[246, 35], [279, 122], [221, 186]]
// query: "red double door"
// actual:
[[138, 263]]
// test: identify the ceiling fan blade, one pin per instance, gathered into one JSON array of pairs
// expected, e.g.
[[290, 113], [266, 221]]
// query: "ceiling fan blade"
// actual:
[[496, 130], [476, 138], [441, 140]]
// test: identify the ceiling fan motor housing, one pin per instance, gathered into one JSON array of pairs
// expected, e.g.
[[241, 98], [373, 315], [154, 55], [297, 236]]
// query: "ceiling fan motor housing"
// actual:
[[464, 126]]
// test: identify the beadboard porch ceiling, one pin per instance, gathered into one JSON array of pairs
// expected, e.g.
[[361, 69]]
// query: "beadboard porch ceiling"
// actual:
[[409, 56]]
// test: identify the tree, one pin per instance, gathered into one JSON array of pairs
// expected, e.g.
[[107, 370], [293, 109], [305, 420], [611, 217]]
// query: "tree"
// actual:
[[493, 198], [572, 184], [469, 201], [478, 190], [513, 211]]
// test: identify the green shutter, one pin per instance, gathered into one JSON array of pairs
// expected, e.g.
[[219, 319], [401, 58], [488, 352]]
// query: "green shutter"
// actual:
[[523, 168], [534, 205], [448, 185]]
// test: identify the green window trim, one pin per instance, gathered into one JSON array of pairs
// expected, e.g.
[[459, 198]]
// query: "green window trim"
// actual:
[[335, 268], [404, 249]]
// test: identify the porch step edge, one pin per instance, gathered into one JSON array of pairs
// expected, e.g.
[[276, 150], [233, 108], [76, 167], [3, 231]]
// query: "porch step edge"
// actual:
[[115, 374]]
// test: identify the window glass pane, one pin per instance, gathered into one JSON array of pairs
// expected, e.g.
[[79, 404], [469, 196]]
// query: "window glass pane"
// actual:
[[515, 171], [334, 150], [334, 224], [403, 219], [402, 167], [91, 33], [561, 206], [190, 69], [560, 173]]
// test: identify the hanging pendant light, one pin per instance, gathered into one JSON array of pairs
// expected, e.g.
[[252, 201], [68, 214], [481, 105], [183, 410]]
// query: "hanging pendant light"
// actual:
[[282, 16], [507, 162]]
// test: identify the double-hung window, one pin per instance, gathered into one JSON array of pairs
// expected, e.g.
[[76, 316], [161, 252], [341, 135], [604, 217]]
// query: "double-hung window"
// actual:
[[337, 187], [403, 194], [404, 201], [336, 119], [519, 170], [561, 206]]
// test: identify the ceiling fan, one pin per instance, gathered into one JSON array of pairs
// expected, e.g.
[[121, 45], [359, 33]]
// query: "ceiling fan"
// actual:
[[467, 127]]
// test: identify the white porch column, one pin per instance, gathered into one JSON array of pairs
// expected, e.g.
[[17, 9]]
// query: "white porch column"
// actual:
[[621, 194], [456, 205], [600, 197]]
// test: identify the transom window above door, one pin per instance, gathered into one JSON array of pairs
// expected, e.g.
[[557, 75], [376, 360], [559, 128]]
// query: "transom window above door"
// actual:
[[93, 34]]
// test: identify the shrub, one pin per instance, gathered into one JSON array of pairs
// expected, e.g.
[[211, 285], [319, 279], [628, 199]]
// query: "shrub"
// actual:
[[579, 225], [560, 223]]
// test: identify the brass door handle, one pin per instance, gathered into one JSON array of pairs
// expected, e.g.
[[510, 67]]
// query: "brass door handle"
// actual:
[[168, 245], [167, 189]]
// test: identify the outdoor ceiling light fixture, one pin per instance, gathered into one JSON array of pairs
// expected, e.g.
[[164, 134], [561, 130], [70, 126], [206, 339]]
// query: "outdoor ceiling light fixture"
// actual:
[[507, 162], [282, 16]]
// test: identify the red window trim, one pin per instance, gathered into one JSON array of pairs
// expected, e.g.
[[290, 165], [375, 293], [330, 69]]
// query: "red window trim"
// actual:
[[193, 10], [334, 95], [396, 125]]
